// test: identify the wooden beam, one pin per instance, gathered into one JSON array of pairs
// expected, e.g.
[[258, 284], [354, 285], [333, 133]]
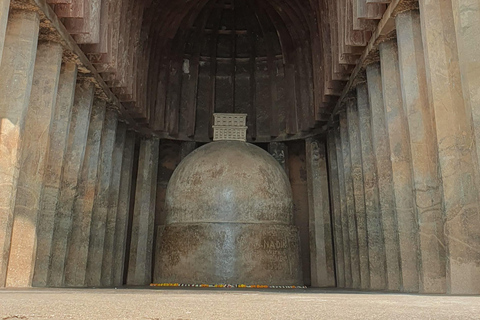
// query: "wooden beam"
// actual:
[[385, 27], [48, 17]]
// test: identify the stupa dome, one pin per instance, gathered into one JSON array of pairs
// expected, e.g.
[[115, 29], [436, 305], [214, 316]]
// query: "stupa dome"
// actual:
[[229, 220], [229, 181]]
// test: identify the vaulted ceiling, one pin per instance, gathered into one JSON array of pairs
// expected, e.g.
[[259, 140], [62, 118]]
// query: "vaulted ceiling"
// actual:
[[172, 64]]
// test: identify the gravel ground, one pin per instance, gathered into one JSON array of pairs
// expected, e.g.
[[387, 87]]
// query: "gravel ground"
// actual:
[[180, 304]]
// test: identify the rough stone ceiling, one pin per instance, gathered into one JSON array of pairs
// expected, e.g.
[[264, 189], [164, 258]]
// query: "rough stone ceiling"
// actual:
[[140, 47]]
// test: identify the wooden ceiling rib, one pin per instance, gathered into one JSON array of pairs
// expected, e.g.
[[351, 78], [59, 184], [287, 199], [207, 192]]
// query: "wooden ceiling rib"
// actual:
[[172, 64]]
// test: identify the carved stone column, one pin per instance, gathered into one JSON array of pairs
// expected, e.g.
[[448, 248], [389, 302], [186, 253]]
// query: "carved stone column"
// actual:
[[141, 249], [171, 154], [358, 190], [401, 157], [320, 224], [376, 241], [16, 70], [78, 242], [121, 225], [350, 202], [53, 172], [4, 9], [100, 205], [423, 143], [343, 209], [456, 143], [336, 209], [72, 167], [38, 123], [113, 206], [381, 148]]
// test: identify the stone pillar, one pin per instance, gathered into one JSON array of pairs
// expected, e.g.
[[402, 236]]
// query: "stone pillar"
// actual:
[[350, 202], [400, 154], [79, 240], [113, 197], [455, 146], [423, 143], [279, 151], [466, 14], [358, 190], [296, 163], [170, 155], [16, 72], [336, 210], [141, 249], [72, 165], [320, 224], [343, 209], [100, 204], [381, 148], [52, 177], [32, 165], [123, 210], [4, 8], [376, 241]]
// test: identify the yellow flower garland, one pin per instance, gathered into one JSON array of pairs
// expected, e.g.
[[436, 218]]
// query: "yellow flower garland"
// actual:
[[225, 286]]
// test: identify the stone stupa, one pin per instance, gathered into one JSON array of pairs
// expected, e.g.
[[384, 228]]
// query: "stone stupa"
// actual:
[[229, 220]]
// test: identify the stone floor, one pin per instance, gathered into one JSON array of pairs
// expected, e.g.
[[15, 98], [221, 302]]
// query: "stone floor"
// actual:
[[179, 304]]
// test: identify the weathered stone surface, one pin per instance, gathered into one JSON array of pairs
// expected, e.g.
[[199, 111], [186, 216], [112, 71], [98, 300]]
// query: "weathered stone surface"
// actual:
[[358, 191], [38, 123], [466, 15], [455, 146], [423, 143], [4, 9], [381, 147], [279, 151], [233, 253], [350, 202], [376, 241], [53, 172], [208, 215], [141, 247], [100, 204], [263, 205], [320, 224], [343, 209], [336, 210], [400, 154], [113, 201], [72, 166], [123, 209], [15, 85], [79, 240], [297, 174], [171, 154]]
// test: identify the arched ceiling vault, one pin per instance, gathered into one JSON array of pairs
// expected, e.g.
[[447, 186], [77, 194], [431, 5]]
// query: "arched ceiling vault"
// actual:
[[173, 64]]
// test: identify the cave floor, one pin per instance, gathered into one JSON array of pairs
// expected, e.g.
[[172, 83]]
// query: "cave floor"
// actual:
[[181, 304]]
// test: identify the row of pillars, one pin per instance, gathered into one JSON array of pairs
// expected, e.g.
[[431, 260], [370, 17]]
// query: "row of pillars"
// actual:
[[404, 159], [66, 167]]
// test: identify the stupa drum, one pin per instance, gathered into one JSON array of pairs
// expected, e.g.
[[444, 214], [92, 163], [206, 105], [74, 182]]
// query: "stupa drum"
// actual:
[[229, 220]]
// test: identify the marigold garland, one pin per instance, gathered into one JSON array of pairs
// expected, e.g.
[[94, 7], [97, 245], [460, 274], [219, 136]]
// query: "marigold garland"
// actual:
[[225, 286]]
